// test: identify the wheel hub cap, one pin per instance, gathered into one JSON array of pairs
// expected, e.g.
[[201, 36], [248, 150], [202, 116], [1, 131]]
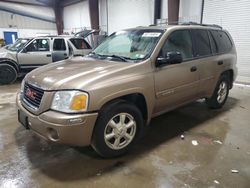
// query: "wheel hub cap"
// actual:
[[222, 92], [120, 131]]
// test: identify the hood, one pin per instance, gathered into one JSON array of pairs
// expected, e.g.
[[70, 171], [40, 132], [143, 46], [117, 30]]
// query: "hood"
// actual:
[[76, 73], [4, 53]]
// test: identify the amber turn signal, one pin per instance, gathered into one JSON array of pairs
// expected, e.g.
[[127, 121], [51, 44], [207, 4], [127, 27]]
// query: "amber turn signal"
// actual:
[[79, 102]]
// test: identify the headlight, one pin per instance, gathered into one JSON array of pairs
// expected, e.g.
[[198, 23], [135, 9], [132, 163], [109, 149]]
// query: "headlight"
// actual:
[[70, 101]]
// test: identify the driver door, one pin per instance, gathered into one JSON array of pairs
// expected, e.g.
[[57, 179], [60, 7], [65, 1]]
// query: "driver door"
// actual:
[[176, 84], [36, 53]]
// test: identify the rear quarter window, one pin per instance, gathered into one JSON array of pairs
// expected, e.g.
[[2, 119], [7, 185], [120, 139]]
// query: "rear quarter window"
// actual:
[[222, 41], [80, 43]]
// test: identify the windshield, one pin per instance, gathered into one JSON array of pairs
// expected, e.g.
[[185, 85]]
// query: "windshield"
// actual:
[[18, 45], [129, 45]]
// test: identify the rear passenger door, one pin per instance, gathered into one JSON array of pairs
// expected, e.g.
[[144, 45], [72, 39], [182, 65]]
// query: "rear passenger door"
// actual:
[[176, 84], [221, 47], [205, 61], [210, 47], [60, 51]]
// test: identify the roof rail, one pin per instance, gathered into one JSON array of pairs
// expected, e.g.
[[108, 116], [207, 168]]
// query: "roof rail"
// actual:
[[208, 25], [186, 23]]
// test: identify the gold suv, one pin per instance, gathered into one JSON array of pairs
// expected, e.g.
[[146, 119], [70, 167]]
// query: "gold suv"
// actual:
[[106, 99]]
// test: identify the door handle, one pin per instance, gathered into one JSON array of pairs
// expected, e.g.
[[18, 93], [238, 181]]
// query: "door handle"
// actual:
[[193, 69], [48, 55], [220, 62], [65, 54]]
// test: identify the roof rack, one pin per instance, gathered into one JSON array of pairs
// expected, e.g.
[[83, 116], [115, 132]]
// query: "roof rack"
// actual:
[[186, 23], [208, 25]]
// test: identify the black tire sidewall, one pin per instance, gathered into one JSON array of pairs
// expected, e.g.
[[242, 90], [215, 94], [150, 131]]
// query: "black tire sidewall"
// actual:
[[98, 142], [13, 73]]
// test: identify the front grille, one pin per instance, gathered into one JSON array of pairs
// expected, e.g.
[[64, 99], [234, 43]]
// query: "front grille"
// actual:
[[32, 96]]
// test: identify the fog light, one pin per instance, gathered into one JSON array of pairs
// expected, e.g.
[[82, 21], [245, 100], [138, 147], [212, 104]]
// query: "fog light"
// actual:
[[53, 135]]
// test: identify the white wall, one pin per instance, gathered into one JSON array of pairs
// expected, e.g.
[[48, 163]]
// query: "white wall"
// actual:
[[190, 10], [129, 13], [233, 16], [47, 13], [76, 17], [25, 26], [125, 14], [8, 19], [103, 15], [22, 33], [164, 9]]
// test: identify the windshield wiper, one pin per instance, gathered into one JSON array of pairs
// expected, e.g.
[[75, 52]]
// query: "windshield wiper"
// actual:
[[119, 57], [125, 59], [95, 54]]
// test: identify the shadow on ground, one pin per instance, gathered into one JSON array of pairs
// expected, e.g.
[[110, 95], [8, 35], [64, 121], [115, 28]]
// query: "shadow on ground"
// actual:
[[65, 163]]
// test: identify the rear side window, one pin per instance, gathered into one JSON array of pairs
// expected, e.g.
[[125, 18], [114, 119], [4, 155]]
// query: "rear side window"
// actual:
[[202, 44], [80, 43], [223, 43], [59, 45]]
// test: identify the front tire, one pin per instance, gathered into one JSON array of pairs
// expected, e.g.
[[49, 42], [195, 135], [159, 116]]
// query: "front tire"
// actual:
[[8, 74], [118, 127], [220, 94]]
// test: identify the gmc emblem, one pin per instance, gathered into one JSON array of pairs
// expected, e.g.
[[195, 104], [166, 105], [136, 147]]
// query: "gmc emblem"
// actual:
[[30, 94]]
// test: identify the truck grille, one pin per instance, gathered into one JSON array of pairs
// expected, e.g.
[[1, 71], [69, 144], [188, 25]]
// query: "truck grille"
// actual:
[[32, 96]]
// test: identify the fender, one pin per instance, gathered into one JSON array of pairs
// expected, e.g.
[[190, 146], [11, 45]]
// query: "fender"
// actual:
[[118, 94], [10, 62]]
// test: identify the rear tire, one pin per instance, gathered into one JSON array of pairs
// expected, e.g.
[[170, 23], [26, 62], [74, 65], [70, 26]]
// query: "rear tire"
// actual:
[[118, 127], [8, 74], [220, 94]]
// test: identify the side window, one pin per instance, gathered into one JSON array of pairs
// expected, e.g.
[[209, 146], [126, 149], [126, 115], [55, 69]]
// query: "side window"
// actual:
[[222, 40], [202, 44], [38, 45], [213, 43], [179, 41], [80, 43], [59, 45]]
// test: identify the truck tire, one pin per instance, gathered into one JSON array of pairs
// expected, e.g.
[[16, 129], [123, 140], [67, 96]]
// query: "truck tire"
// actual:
[[8, 74], [118, 127], [220, 94]]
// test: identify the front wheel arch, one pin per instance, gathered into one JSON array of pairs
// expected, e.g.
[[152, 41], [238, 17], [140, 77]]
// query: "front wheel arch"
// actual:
[[11, 63], [136, 98], [8, 74], [107, 112]]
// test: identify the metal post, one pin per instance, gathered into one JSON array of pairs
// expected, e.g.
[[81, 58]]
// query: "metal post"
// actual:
[[58, 9], [157, 10], [173, 11], [202, 10], [94, 13]]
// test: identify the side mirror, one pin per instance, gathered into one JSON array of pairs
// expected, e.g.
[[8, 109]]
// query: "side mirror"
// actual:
[[170, 58]]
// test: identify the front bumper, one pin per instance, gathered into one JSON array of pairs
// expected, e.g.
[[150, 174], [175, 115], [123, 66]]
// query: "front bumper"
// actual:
[[71, 129]]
